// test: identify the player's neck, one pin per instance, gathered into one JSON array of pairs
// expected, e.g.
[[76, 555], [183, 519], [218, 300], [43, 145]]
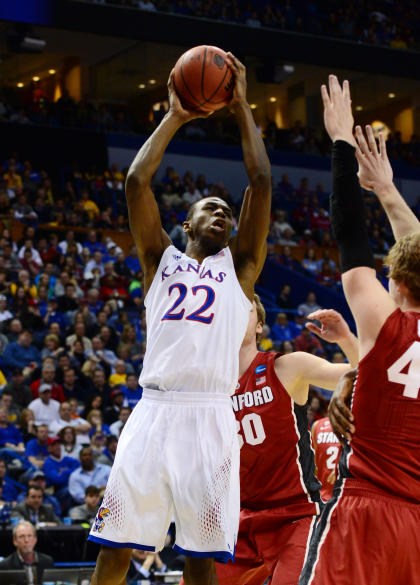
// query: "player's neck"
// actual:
[[196, 250], [247, 354], [409, 304]]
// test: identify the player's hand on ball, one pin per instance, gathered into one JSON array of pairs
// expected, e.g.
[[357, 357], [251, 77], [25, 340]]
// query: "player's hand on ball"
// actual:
[[375, 171], [177, 109], [338, 117], [333, 327], [239, 89], [340, 415]]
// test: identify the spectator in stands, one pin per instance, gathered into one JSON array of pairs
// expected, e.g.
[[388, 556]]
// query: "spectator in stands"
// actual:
[[36, 449], [27, 425], [10, 437], [14, 330], [48, 374], [96, 421], [79, 335], [309, 262], [108, 455], [52, 346], [45, 408], [90, 473], [6, 401], [132, 261], [5, 314], [265, 343], [100, 356], [280, 331], [21, 353], [74, 386], [310, 305], [132, 391], [38, 479], [100, 386], [89, 205], [286, 258], [33, 510], [85, 513], [81, 426], [118, 425], [57, 469], [286, 347], [112, 412], [9, 493], [284, 299], [5, 507], [69, 446], [119, 377], [306, 341], [327, 277], [25, 557]]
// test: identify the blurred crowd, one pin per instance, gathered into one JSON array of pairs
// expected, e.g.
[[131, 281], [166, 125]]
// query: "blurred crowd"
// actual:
[[378, 22]]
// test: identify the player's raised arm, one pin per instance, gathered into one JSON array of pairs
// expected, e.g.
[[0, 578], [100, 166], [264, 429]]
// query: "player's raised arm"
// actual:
[[249, 245], [375, 174], [143, 212], [368, 300]]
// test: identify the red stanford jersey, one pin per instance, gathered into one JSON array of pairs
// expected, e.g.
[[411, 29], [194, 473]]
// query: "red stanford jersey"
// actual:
[[277, 463], [327, 448], [385, 449]]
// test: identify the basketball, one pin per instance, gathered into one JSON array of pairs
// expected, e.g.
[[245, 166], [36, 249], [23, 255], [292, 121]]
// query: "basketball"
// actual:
[[203, 79]]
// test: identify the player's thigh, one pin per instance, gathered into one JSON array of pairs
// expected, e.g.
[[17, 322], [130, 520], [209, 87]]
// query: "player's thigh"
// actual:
[[241, 573], [205, 482], [292, 545]]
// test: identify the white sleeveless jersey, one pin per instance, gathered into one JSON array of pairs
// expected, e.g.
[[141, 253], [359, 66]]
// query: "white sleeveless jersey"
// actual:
[[196, 316]]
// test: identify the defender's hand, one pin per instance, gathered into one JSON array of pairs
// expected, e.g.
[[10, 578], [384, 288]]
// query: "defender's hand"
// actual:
[[375, 171], [176, 109], [333, 327], [340, 415], [338, 117], [239, 89]]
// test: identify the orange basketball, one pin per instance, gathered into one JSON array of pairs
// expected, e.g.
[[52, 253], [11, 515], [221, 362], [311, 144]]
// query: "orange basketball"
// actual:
[[203, 79]]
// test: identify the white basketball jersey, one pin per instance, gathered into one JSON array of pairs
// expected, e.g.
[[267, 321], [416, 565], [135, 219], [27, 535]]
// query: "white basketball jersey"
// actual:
[[196, 316]]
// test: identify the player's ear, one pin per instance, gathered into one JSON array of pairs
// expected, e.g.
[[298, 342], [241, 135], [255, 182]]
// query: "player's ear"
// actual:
[[259, 328], [186, 226]]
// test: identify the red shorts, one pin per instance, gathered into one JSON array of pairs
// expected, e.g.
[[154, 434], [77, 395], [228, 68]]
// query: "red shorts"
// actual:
[[365, 537], [271, 542]]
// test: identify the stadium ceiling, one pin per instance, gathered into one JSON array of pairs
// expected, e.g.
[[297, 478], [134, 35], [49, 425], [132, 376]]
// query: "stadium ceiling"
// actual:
[[117, 66]]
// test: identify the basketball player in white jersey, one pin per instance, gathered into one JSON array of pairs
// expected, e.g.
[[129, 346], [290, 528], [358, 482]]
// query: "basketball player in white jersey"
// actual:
[[178, 455]]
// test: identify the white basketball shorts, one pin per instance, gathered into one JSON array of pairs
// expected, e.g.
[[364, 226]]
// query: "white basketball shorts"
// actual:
[[177, 457]]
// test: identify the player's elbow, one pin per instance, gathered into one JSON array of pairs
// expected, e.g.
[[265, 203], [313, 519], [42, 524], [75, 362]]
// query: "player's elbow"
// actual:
[[135, 182]]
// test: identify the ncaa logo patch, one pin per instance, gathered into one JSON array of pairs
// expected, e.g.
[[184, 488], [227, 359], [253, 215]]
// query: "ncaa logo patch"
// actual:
[[260, 369]]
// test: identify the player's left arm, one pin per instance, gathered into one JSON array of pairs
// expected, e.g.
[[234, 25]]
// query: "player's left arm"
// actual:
[[249, 246], [300, 369]]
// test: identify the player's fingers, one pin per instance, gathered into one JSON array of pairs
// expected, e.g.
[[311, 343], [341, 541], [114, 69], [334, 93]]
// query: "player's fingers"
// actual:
[[335, 89], [345, 412], [342, 423], [312, 327], [346, 91], [337, 429], [371, 140], [171, 79], [325, 97], [382, 146], [360, 137]]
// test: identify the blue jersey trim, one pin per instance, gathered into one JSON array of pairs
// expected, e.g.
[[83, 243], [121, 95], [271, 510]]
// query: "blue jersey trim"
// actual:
[[222, 556], [113, 544]]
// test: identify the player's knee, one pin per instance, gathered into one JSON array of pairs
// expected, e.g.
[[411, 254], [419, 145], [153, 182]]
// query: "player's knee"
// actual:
[[114, 558], [199, 572]]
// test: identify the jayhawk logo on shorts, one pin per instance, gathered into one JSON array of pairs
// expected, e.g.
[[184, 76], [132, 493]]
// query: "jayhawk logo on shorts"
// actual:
[[99, 520]]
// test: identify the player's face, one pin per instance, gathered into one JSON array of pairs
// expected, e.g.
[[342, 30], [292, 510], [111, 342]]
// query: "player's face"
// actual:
[[254, 326], [211, 221]]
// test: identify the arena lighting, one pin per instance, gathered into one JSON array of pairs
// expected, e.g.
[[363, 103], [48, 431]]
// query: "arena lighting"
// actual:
[[359, 108], [141, 86], [35, 78], [152, 81], [289, 68], [32, 44], [253, 106], [391, 95], [273, 99], [51, 71], [20, 84]]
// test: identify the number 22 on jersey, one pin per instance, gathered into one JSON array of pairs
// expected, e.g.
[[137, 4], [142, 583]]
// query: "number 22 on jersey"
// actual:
[[173, 315], [410, 379]]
